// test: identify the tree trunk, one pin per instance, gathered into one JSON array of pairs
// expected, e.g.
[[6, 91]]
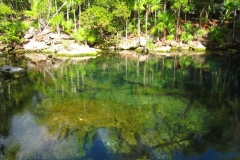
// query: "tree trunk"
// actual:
[[89, 5], [139, 20], [164, 6], [200, 18], [126, 31], [164, 10], [139, 23], [155, 17], [146, 20], [234, 23], [74, 17], [58, 29], [68, 8], [178, 19], [79, 14]]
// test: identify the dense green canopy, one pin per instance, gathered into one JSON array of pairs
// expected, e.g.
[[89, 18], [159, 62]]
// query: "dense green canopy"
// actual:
[[107, 19]]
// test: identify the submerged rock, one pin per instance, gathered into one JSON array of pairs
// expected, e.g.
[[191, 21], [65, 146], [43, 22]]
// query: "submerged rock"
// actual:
[[14, 72]]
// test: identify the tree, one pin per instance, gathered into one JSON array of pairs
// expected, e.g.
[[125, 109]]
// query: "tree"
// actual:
[[138, 6], [230, 8], [179, 5], [165, 24], [122, 11]]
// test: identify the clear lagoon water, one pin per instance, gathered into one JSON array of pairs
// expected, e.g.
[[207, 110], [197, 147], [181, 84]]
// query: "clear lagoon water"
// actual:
[[122, 106]]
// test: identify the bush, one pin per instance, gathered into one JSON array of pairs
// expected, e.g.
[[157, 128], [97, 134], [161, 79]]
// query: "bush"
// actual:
[[150, 45], [86, 35], [200, 33], [185, 37], [170, 37], [188, 32], [13, 31], [216, 34]]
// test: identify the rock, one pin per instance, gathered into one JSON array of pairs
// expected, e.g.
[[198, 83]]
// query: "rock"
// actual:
[[35, 45], [57, 36], [46, 31], [130, 44], [142, 50], [30, 33], [57, 41], [167, 43], [28, 36], [143, 41], [159, 44], [13, 72], [179, 46], [57, 48], [74, 50], [196, 46], [2, 47], [162, 49]]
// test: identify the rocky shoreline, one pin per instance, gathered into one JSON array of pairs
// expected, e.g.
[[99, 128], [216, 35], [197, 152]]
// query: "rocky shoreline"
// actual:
[[63, 45]]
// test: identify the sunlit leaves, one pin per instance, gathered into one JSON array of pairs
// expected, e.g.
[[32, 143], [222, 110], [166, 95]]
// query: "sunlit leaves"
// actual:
[[13, 30], [96, 17], [56, 19], [68, 25], [5, 10], [121, 11]]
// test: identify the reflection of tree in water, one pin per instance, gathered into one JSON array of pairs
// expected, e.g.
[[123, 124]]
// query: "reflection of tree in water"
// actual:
[[143, 108], [12, 101], [140, 104]]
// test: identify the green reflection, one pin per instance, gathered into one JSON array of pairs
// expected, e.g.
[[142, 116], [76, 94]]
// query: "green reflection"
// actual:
[[153, 107], [141, 103]]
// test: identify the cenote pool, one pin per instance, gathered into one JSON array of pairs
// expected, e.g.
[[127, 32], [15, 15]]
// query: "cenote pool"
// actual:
[[117, 106]]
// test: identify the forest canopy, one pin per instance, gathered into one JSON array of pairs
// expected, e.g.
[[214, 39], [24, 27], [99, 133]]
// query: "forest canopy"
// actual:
[[95, 21]]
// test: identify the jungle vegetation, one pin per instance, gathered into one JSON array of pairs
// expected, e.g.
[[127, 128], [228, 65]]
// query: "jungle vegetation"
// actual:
[[98, 21]]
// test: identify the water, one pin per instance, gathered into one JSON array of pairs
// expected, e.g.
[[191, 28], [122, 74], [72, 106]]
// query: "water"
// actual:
[[118, 106]]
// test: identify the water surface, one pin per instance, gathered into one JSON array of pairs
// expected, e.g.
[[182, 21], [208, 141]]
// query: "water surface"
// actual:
[[118, 106]]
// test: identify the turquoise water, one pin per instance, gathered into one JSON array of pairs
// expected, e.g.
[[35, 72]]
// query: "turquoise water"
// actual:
[[120, 106]]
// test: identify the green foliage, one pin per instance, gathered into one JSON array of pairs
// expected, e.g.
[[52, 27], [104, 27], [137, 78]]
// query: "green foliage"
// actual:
[[228, 7], [39, 9], [179, 4], [81, 35], [216, 34], [185, 37], [187, 27], [13, 31], [86, 35], [5, 10], [56, 20], [96, 18], [200, 33], [150, 45], [91, 38], [67, 25], [170, 37], [121, 10], [188, 31], [132, 28], [166, 21], [107, 17]]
